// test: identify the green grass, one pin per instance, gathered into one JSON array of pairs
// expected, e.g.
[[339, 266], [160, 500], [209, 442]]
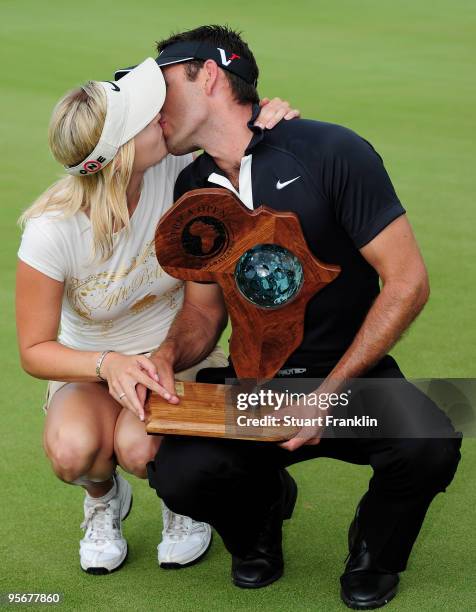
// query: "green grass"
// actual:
[[399, 73]]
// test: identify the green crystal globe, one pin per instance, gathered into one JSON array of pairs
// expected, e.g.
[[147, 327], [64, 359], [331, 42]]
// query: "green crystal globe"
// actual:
[[268, 275]]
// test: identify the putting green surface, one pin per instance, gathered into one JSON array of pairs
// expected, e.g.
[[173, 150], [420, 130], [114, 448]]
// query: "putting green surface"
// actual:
[[399, 73]]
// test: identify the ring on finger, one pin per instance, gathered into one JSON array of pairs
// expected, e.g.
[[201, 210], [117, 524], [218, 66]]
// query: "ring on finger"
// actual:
[[122, 395]]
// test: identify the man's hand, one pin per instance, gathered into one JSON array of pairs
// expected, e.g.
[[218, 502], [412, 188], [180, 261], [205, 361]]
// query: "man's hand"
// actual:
[[311, 435], [273, 111], [163, 361], [164, 377], [307, 435]]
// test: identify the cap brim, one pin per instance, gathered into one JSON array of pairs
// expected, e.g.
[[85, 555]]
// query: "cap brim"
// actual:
[[119, 74], [145, 87], [166, 61]]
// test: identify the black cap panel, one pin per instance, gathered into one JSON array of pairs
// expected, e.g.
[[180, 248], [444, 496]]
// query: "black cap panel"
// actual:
[[185, 51], [122, 72]]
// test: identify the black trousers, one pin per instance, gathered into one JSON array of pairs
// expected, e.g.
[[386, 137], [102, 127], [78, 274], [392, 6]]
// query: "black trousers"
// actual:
[[232, 483]]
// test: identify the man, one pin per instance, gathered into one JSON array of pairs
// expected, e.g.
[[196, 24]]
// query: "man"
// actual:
[[350, 215]]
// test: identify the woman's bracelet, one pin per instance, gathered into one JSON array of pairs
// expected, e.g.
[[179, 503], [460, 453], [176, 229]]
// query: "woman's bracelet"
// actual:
[[99, 364]]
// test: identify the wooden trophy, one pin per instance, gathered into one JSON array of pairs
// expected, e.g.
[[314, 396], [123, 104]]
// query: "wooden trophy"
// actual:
[[267, 274]]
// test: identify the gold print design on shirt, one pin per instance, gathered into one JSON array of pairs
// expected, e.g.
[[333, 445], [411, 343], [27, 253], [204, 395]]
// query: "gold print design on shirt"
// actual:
[[171, 297], [143, 303], [97, 292]]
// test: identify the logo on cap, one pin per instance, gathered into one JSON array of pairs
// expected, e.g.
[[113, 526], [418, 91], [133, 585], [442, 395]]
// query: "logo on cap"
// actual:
[[224, 61], [114, 86], [92, 165]]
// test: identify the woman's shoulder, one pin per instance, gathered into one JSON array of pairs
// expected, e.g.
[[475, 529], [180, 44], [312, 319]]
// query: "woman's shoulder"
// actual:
[[55, 220], [49, 244], [55, 226]]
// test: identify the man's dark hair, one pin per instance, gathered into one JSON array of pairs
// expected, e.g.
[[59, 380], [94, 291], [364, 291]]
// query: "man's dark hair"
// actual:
[[219, 36]]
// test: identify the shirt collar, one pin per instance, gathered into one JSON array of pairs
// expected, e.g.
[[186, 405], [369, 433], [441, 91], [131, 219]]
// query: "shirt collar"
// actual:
[[258, 133], [208, 163]]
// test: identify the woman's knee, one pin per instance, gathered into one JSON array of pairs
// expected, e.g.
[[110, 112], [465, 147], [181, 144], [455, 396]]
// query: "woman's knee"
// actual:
[[72, 453], [133, 453], [79, 432]]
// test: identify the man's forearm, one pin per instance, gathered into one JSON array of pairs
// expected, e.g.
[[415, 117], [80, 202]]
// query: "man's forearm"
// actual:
[[397, 305], [191, 337]]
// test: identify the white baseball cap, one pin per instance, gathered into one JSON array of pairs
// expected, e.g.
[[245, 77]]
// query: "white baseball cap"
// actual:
[[132, 103]]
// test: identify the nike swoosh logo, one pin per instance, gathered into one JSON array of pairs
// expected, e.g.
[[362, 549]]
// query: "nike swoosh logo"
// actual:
[[280, 185], [114, 86]]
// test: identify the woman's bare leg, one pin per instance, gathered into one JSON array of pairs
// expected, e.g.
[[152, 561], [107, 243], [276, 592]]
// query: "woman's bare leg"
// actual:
[[133, 447], [184, 541], [79, 436], [79, 441]]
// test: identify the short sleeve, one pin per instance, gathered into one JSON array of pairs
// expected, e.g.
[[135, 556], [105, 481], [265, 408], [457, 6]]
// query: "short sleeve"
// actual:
[[40, 250], [360, 188], [176, 163]]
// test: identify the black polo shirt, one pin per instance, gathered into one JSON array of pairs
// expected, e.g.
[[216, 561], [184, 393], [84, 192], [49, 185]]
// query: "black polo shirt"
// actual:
[[343, 197]]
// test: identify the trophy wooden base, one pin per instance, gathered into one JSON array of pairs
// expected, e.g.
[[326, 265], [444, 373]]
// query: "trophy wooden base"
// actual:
[[208, 410]]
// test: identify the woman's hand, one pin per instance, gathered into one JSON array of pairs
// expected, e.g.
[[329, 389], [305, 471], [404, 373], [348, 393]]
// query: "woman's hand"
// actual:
[[128, 377], [272, 111]]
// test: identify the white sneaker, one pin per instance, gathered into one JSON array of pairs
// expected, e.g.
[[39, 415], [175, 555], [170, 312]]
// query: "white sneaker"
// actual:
[[184, 541], [103, 548]]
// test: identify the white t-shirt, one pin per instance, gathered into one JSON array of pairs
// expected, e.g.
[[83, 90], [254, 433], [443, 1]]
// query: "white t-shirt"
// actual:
[[127, 303]]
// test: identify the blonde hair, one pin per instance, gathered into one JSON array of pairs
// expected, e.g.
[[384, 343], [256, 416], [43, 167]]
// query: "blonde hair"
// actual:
[[74, 131]]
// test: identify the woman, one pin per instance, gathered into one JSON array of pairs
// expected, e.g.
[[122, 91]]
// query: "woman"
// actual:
[[87, 267]]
